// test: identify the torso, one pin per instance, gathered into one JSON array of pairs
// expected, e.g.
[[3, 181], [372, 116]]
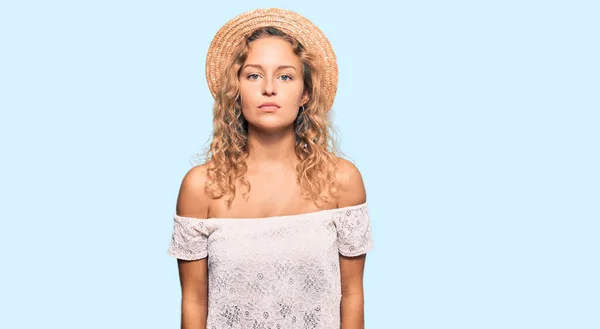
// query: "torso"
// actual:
[[272, 193]]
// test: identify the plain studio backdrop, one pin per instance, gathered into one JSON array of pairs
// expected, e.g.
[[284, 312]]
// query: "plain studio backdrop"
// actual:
[[475, 125]]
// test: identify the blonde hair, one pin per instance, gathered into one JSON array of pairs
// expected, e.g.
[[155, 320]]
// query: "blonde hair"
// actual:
[[315, 144]]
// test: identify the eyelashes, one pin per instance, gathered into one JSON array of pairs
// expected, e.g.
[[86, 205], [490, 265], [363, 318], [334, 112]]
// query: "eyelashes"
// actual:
[[255, 76]]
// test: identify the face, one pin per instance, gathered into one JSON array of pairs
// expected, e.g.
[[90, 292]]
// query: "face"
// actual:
[[271, 85]]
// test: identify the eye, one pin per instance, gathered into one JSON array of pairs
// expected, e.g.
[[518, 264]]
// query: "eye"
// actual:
[[286, 77], [253, 76]]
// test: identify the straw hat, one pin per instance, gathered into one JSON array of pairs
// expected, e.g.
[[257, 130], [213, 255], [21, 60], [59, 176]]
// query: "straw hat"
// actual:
[[239, 28]]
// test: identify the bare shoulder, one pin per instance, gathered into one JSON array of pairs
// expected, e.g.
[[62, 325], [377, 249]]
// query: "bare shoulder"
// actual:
[[352, 189], [193, 201]]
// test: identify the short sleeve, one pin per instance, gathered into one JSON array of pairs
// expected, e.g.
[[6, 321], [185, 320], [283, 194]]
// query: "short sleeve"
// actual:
[[353, 230], [189, 240]]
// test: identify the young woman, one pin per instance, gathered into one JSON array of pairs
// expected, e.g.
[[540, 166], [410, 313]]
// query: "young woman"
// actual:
[[272, 230]]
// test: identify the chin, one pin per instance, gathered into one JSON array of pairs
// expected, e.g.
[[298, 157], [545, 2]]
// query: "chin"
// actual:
[[271, 127], [273, 123]]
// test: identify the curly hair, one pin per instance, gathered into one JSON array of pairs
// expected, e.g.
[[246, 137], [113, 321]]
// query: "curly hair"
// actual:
[[315, 144]]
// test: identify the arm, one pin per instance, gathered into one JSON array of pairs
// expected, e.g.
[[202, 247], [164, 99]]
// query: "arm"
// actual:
[[352, 305], [193, 275], [351, 268]]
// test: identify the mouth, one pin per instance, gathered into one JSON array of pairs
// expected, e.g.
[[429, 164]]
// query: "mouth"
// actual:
[[269, 107]]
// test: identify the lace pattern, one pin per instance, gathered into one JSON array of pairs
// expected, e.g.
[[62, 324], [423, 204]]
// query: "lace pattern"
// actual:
[[354, 231], [189, 239], [275, 272]]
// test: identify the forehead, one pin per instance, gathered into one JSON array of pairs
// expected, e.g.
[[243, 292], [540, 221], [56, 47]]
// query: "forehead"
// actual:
[[272, 51]]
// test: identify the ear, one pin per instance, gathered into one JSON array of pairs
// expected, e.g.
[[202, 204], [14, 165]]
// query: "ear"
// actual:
[[305, 98]]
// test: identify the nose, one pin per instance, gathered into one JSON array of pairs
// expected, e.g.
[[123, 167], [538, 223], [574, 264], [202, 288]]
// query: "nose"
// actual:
[[269, 88]]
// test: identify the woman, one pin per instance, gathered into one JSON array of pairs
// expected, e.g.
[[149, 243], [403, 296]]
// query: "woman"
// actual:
[[272, 230]]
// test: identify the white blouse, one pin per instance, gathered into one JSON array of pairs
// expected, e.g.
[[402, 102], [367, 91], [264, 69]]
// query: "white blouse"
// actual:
[[274, 272]]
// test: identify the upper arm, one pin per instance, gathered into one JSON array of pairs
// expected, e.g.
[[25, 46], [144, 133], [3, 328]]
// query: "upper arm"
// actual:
[[352, 187], [352, 192], [193, 201]]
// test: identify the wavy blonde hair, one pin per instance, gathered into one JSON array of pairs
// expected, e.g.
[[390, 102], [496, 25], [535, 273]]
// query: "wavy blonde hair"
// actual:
[[315, 144]]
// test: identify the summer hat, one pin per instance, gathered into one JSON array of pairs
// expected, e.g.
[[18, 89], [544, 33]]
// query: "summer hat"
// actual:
[[240, 27]]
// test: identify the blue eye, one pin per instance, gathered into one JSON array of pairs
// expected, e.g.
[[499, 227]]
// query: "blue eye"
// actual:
[[286, 78], [253, 76]]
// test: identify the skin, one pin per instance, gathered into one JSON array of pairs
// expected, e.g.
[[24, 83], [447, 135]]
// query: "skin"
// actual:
[[271, 73]]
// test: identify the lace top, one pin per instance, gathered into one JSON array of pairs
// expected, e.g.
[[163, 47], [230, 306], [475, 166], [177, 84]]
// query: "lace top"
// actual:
[[275, 272]]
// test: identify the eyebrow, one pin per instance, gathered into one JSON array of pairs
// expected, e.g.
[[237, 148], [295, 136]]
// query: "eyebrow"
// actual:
[[260, 66]]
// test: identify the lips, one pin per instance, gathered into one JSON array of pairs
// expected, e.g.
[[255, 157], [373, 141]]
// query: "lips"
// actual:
[[269, 106]]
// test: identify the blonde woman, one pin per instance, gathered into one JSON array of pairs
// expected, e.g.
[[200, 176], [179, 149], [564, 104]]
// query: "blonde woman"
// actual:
[[272, 230]]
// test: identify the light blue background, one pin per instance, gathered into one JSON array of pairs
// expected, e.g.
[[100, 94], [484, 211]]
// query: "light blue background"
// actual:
[[475, 125]]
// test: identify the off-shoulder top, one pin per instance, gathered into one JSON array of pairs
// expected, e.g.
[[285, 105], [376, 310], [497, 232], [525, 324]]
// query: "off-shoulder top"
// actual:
[[274, 272]]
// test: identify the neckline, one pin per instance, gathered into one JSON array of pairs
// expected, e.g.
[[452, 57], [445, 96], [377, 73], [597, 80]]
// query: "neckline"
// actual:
[[312, 213]]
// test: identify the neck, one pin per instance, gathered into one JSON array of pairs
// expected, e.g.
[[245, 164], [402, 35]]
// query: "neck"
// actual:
[[271, 149]]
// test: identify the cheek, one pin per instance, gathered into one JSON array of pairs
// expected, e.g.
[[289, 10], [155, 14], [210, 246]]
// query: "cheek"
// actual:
[[299, 92], [245, 90], [294, 96], [248, 96]]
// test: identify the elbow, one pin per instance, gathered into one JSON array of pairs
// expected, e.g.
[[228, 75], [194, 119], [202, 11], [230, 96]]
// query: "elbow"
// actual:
[[353, 292], [194, 300], [357, 298]]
